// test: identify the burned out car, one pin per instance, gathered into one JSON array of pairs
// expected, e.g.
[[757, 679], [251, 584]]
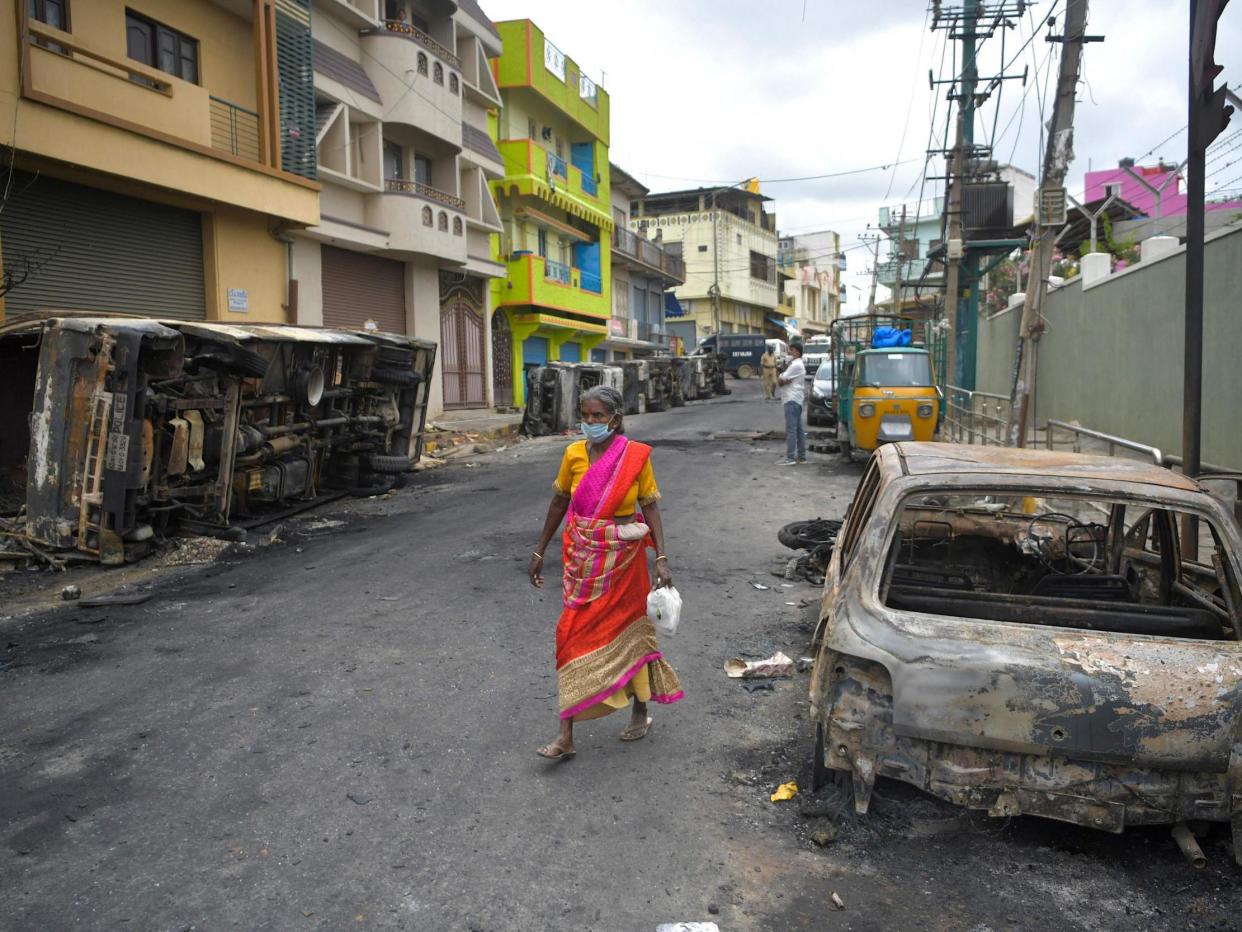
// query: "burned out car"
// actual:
[[1032, 632], [117, 429]]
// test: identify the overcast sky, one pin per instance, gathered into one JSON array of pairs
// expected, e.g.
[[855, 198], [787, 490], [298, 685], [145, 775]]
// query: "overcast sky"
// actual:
[[712, 91]]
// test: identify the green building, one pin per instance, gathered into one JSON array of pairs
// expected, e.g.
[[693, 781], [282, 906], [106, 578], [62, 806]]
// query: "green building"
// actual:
[[552, 133]]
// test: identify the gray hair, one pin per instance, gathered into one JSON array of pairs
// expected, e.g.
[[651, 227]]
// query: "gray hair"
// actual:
[[609, 397]]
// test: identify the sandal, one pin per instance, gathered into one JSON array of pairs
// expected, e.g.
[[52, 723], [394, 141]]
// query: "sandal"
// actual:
[[633, 732], [560, 753]]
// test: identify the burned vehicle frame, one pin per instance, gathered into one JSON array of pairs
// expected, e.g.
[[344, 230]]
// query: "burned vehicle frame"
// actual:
[[119, 429], [980, 643]]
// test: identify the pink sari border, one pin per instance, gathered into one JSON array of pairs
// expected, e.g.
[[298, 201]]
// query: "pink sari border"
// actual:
[[620, 684]]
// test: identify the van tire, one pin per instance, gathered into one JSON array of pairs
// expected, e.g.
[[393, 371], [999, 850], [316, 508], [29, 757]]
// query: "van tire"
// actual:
[[745, 371]]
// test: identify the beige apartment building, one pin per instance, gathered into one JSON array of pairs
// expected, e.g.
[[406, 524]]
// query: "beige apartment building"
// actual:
[[728, 243], [811, 265], [403, 95]]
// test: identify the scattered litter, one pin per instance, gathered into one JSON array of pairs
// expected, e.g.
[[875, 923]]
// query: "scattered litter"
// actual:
[[785, 791], [791, 603], [687, 927], [786, 585], [760, 585], [754, 686], [70, 593], [837, 901], [116, 598], [805, 663], [390, 598], [776, 665], [359, 798], [824, 833], [426, 462]]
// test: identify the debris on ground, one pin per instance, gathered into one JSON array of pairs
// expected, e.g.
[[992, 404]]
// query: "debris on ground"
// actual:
[[837, 901], [688, 926], [189, 551], [70, 593], [776, 665], [784, 792], [823, 832]]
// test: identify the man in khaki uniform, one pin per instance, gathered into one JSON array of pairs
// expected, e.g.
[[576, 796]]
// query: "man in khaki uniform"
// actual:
[[767, 366]]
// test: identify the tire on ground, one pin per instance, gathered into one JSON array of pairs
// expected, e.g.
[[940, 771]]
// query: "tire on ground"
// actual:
[[388, 465]]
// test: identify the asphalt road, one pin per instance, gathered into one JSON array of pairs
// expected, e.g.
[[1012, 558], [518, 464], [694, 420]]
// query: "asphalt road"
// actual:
[[338, 731]]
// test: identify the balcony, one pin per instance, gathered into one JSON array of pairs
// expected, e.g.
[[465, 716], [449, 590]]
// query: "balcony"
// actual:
[[398, 53], [911, 271], [544, 283], [420, 220], [652, 333], [647, 255], [532, 62], [541, 173]]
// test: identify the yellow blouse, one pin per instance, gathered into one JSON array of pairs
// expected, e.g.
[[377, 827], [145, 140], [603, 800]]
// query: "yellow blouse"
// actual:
[[575, 464]]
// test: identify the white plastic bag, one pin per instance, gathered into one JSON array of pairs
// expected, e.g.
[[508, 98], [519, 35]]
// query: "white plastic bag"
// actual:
[[664, 609]]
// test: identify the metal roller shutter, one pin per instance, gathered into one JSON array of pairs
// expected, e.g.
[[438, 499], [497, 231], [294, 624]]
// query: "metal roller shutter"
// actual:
[[358, 287], [88, 249]]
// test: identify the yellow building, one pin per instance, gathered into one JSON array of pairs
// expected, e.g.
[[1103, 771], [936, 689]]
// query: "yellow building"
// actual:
[[159, 154], [555, 203]]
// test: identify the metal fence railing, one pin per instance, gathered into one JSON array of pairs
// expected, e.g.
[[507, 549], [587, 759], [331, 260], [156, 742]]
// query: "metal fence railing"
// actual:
[[234, 129], [556, 271], [976, 417]]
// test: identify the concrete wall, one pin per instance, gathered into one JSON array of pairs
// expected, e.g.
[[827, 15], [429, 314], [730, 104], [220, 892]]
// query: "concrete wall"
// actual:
[[1111, 358]]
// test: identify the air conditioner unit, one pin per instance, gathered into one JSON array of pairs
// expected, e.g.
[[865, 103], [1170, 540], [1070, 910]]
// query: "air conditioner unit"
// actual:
[[1050, 207]]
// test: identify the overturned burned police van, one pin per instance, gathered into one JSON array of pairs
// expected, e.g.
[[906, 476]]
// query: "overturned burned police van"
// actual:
[[115, 429], [1030, 632]]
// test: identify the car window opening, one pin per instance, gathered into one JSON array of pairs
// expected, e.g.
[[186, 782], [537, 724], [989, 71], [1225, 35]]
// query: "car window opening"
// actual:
[[1069, 562]]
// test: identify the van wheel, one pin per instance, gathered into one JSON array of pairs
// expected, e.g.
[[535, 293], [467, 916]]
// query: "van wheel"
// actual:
[[744, 371]]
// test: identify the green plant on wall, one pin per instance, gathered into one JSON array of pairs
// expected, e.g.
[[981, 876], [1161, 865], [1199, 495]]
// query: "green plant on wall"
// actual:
[[1124, 252]]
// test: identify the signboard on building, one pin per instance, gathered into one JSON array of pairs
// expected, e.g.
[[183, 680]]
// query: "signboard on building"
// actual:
[[616, 326], [239, 300]]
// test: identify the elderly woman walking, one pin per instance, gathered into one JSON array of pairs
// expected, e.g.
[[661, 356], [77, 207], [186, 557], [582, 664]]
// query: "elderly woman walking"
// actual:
[[606, 650]]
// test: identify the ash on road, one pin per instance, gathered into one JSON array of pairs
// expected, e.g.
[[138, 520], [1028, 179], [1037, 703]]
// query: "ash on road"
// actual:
[[338, 731]]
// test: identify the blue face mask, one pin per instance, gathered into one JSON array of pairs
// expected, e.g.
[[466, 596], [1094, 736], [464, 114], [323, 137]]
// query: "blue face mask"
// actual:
[[596, 432]]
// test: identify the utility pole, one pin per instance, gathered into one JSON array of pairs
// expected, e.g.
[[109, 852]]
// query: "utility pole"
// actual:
[[1049, 216], [872, 240], [898, 296], [968, 23], [1209, 115]]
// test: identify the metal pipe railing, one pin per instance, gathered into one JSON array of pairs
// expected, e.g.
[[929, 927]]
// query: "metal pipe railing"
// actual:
[[1113, 442], [976, 417]]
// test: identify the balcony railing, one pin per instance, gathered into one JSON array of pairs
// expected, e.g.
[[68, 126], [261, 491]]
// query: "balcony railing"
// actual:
[[430, 44], [589, 186], [652, 333], [234, 129], [589, 281], [417, 188], [556, 271], [648, 253], [557, 166]]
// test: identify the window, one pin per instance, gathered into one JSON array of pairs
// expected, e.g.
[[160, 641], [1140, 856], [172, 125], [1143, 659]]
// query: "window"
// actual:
[[703, 248], [160, 47], [762, 267], [422, 170], [543, 242], [452, 82], [427, 220], [1111, 189], [437, 73], [457, 228], [422, 64], [530, 128], [442, 222], [394, 160], [54, 13], [739, 239]]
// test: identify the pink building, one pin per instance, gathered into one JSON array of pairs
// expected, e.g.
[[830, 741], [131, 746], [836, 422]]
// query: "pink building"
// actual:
[[1118, 181]]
